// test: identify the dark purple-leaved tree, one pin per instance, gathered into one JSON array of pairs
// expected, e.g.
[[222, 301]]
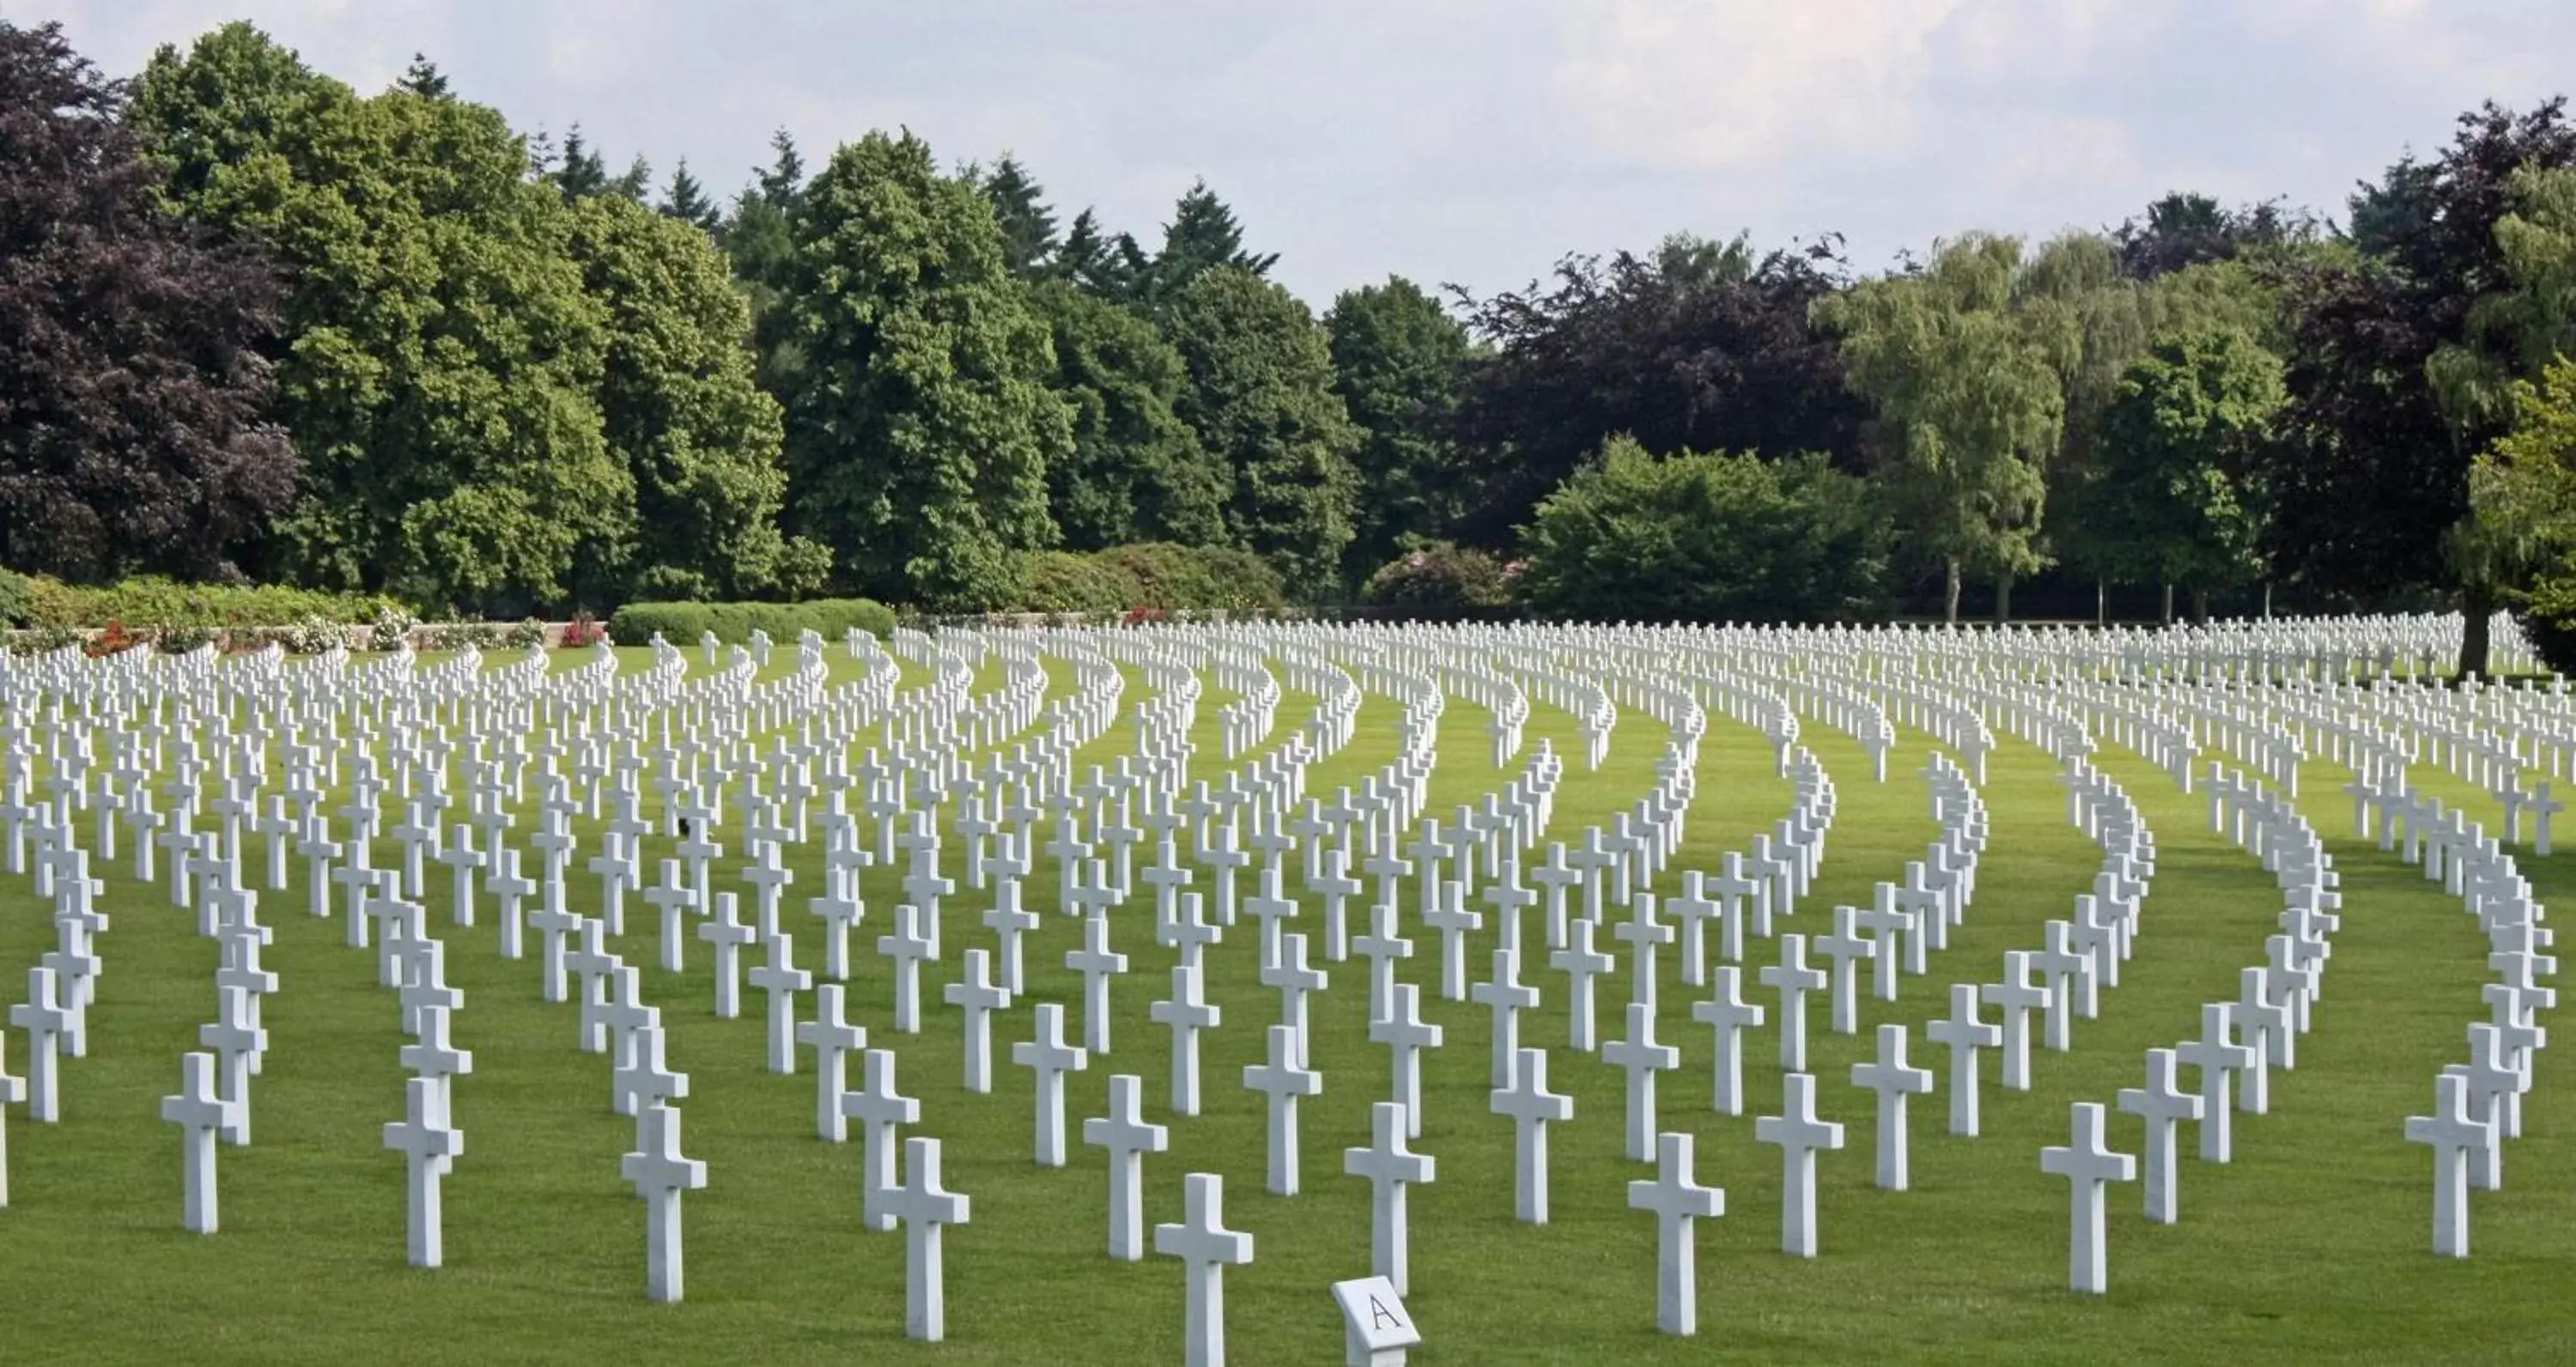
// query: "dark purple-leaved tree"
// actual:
[[132, 385]]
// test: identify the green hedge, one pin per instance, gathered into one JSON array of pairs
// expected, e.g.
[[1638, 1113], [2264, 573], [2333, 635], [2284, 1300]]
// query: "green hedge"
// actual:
[[1196, 578], [682, 624], [153, 603]]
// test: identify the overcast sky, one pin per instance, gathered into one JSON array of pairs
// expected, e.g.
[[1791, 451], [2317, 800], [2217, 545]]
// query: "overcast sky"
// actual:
[[1476, 141]]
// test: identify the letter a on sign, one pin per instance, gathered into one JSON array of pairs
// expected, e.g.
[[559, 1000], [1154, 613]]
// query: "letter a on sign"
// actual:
[[1380, 1330]]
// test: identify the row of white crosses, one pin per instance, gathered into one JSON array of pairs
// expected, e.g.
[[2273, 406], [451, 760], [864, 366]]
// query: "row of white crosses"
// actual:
[[2482, 736], [1642, 940]]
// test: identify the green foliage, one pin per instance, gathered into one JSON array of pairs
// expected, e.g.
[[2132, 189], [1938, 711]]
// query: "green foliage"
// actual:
[[1971, 393], [1136, 471], [679, 404], [1261, 397], [2523, 491], [1398, 360], [1198, 578], [2179, 503], [1061, 581], [133, 425], [922, 427], [1020, 211], [153, 602], [446, 356], [1699, 346], [682, 624], [1441, 575], [17, 599], [1707, 538]]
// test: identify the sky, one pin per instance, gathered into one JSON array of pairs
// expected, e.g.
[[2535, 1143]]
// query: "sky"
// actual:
[[1477, 141]]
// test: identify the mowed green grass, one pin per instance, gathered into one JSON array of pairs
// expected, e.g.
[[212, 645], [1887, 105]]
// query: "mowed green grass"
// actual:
[[2314, 1244]]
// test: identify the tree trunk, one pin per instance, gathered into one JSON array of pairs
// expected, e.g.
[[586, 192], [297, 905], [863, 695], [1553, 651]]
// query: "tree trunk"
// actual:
[[2003, 599], [2267, 600], [1951, 590], [2168, 602], [2101, 603], [2200, 606], [2477, 608]]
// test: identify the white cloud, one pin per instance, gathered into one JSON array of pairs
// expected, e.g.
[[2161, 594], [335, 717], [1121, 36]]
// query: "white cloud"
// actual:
[[1478, 140], [1732, 84]]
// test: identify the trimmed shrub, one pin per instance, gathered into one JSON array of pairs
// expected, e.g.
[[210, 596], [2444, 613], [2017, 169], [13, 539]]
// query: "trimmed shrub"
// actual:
[[166, 604], [1061, 581], [1707, 538], [1440, 575], [682, 623], [1197, 578]]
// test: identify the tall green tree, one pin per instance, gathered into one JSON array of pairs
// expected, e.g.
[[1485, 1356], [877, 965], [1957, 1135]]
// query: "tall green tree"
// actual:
[[1972, 403], [446, 357], [921, 427], [2371, 471], [2181, 503], [423, 78], [1090, 257], [1261, 398], [1699, 346], [686, 200], [132, 432], [760, 236], [1020, 209], [1136, 472], [2182, 230], [1398, 362], [583, 172], [680, 408], [636, 183]]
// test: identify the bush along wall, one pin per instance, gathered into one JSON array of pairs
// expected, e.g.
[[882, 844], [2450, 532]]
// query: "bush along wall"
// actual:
[[682, 624]]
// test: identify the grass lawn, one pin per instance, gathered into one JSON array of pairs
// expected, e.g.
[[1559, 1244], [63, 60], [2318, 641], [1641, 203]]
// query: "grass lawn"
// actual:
[[2313, 1245]]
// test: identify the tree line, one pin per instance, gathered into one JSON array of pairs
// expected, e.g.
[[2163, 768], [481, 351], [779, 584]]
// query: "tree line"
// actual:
[[255, 324]]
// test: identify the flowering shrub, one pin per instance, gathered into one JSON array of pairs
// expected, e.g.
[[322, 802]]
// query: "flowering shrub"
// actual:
[[391, 629], [583, 632], [115, 640], [1441, 575]]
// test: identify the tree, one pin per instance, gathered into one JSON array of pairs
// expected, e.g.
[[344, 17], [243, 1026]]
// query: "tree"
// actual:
[[441, 383], [423, 78], [1705, 346], [2524, 492], [1136, 472], [2179, 504], [1706, 538], [679, 405], [2387, 404], [2183, 230], [921, 427], [1019, 208], [636, 184], [1091, 259], [783, 184], [1261, 398], [132, 434], [583, 173], [1398, 361], [686, 200], [1972, 403]]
